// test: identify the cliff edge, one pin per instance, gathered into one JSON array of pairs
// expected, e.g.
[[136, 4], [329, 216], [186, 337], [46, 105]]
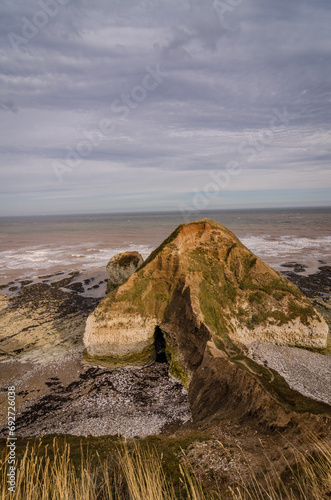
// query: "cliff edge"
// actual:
[[208, 297]]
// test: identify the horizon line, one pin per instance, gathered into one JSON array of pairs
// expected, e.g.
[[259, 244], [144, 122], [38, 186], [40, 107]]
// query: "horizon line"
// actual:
[[157, 212]]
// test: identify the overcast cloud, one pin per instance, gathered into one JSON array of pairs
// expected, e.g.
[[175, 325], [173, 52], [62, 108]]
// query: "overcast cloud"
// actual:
[[121, 105]]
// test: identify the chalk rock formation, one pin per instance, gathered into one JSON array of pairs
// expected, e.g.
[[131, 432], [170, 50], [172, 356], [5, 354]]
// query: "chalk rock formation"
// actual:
[[121, 266], [201, 285]]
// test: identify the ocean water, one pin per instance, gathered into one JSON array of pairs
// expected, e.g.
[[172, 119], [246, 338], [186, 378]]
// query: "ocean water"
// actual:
[[30, 246]]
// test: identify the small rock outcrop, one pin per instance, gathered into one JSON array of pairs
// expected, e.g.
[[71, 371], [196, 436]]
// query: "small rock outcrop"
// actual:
[[121, 266], [210, 296]]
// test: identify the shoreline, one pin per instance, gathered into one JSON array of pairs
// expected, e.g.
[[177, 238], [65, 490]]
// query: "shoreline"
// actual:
[[44, 359], [32, 246], [89, 282]]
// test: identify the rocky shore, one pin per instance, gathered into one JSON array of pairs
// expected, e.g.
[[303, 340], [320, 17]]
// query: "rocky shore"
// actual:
[[68, 398], [42, 323]]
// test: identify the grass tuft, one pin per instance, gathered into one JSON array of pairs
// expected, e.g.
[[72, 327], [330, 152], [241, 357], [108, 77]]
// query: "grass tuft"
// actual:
[[133, 471]]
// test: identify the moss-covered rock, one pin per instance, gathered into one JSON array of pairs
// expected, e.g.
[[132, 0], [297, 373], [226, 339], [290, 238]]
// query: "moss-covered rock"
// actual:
[[141, 358], [202, 284], [121, 266]]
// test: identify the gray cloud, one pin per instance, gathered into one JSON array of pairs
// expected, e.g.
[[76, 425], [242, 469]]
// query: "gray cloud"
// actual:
[[8, 105], [225, 79]]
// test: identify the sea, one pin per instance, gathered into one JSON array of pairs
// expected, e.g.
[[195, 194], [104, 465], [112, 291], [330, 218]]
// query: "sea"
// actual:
[[41, 245]]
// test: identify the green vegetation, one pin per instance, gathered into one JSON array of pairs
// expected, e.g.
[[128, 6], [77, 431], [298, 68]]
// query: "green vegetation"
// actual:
[[229, 291], [279, 295], [147, 291], [126, 260], [277, 386], [111, 287], [270, 287], [217, 293], [135, 294], [249, 262], [175, 233], [257, 297], [162, 295], [141, 358], [211, 307], [305, 313], [176, 368], [279, 318], [130, 310], [220, 294], [242, 312]]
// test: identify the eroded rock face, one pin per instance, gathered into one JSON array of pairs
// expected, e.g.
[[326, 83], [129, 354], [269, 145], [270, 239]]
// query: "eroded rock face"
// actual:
[[210, 296], [121, 266]]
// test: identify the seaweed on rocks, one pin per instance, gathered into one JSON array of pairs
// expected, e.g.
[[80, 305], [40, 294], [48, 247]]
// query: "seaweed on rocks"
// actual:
[[313, 285], [52, 299]]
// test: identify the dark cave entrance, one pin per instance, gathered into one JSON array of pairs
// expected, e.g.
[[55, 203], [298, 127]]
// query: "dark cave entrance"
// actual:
[[160, 346]]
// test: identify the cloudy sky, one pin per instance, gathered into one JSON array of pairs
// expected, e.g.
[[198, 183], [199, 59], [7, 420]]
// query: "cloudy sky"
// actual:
[[122, 105]]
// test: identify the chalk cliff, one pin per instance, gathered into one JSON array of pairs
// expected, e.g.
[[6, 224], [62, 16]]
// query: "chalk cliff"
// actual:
[[208, 297], [201, 284]]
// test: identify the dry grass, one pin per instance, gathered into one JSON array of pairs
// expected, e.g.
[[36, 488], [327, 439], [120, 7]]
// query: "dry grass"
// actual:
[[137, 473], [308, 479], [51, 476]]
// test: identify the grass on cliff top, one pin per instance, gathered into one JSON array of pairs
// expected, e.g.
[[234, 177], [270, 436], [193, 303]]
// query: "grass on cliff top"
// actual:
[[64, 467], [175, 233]]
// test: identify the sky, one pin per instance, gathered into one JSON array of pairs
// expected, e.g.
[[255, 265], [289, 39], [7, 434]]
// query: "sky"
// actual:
[[151, 105]]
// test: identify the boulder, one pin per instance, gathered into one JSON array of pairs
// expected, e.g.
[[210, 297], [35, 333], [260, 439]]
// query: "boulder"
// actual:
[[121, 266], [201, 284]]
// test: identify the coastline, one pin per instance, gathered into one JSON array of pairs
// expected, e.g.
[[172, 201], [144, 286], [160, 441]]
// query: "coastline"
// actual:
[[44, 358], [35, 246], [57, 391]]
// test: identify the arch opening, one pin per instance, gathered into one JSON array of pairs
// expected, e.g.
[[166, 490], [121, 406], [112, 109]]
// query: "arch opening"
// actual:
[[160, 346]]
